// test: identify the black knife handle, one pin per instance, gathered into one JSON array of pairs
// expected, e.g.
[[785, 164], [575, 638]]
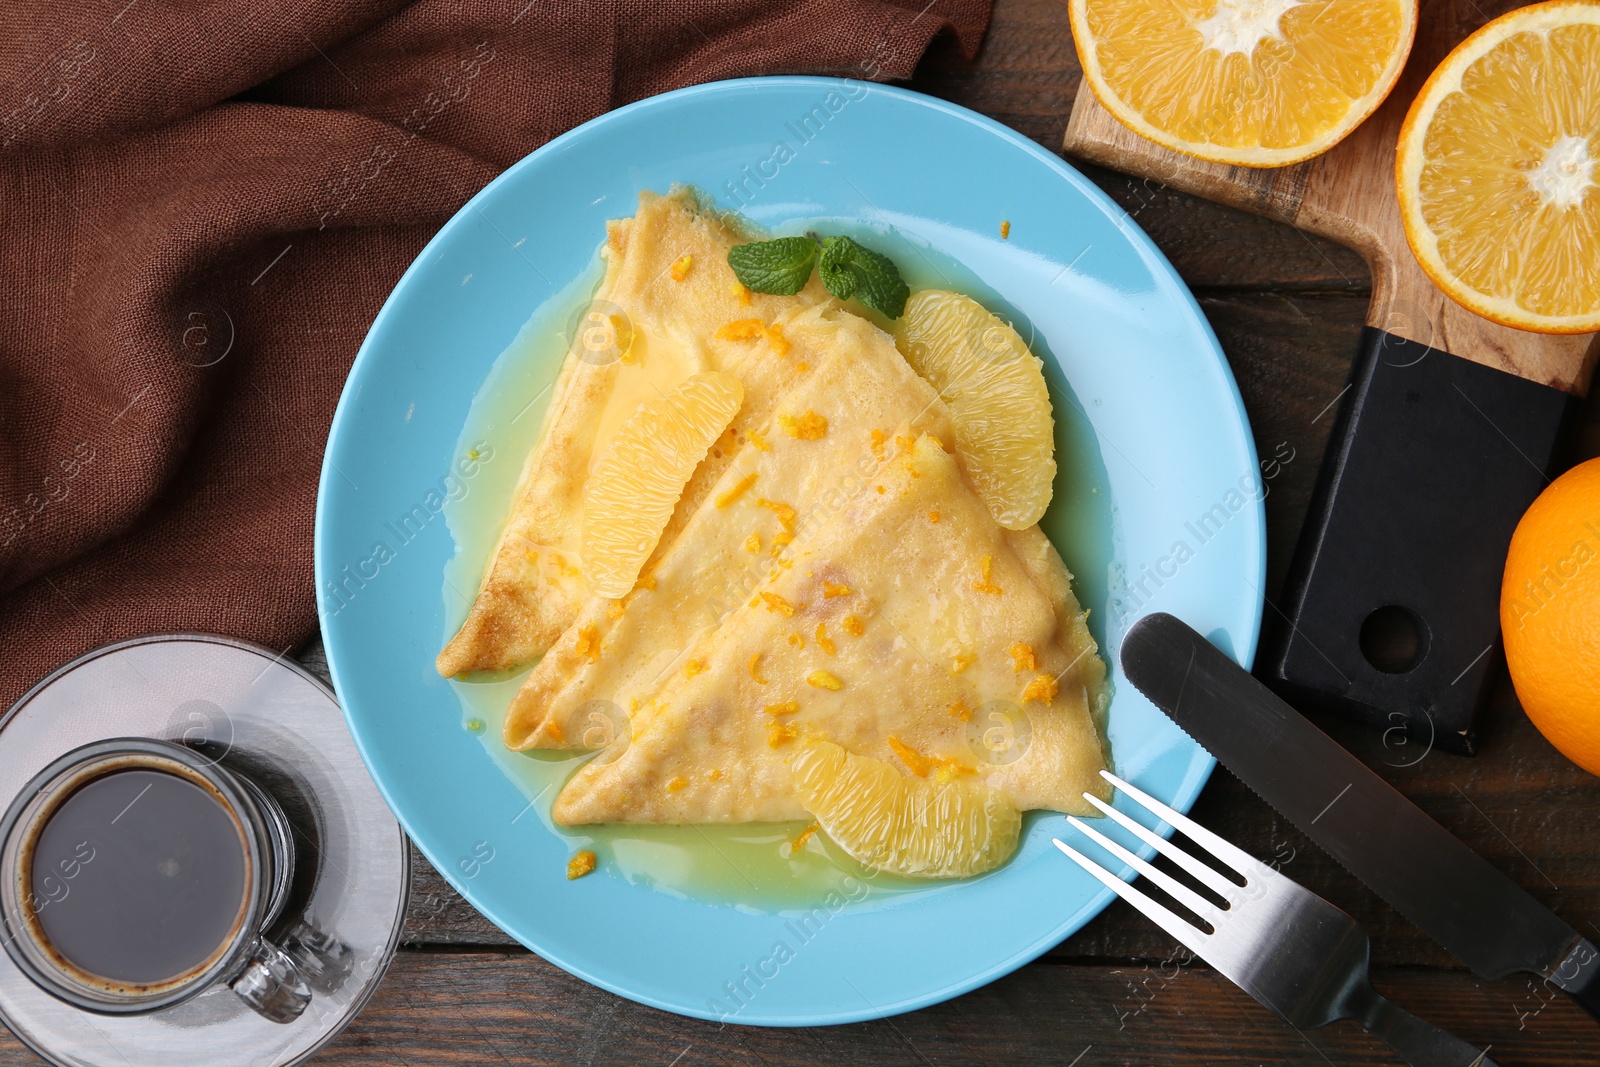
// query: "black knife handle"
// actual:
[[1419, 1042], [1390, 612], [1579, 975]]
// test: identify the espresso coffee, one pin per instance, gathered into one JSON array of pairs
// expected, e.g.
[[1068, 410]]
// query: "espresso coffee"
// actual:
[[139, 878]]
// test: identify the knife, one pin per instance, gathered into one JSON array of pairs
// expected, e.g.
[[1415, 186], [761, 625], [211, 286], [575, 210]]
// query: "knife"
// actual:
[[1450, 892]]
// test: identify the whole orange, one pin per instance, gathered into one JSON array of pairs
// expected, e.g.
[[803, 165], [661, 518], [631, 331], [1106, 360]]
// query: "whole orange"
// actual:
[[1550, 613]]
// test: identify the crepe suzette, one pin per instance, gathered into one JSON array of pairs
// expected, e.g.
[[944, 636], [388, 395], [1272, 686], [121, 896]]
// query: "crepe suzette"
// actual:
[[833, 613], [909, 616], [651, 326]]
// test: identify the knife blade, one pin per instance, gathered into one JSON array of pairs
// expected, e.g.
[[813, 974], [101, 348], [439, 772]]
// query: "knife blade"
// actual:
[[1450, 892]]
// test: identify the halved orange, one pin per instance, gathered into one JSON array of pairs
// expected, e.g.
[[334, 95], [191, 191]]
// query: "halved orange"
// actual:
[[1258, 83], [1498, 170]]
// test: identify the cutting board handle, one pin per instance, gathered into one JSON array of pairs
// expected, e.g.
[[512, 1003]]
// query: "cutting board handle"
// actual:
[[1390, 611]]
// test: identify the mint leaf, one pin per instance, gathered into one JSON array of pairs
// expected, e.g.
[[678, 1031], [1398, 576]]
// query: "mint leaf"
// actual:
[[780, 267], [851, 269], [834, 266]]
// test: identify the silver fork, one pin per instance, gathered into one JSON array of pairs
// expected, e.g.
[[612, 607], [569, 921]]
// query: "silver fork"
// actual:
[[1278, 941]]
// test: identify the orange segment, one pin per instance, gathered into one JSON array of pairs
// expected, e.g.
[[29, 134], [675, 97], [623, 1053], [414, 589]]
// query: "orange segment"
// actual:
[[1498, 170], [919, 827], [995, 389], [1258, 83], [637, 482]]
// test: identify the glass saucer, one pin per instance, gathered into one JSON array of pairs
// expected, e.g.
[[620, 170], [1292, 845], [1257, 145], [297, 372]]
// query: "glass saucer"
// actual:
[[266, 717]]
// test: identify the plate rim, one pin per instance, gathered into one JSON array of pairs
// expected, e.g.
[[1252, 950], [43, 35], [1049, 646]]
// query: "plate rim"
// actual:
[[1200, 770]]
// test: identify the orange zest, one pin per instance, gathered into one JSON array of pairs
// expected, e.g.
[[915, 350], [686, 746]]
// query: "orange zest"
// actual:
[[985, 582], [738, 489], [580, 864]]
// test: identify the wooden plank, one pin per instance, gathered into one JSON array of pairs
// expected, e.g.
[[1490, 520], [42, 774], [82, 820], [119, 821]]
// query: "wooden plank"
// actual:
[[515, 1009], [1290, 355], [519, 1010], [438, 915], [1214, 246], [1025, 76]]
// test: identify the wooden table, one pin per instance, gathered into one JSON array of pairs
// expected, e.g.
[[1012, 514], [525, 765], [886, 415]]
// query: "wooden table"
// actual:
[[1288, 308]]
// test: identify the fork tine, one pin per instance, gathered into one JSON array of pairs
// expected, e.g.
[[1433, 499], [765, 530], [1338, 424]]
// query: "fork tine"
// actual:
[[1210, 878], [1228, 853], [1191, 936], [1174, 888]]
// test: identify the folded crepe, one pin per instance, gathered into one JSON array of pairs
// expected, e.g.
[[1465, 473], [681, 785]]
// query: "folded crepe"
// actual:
[[828, 573], [907, 627], [779, 491], [666, 292]]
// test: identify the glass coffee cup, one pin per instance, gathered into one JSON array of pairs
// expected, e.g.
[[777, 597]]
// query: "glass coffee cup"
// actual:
[[137, 873]]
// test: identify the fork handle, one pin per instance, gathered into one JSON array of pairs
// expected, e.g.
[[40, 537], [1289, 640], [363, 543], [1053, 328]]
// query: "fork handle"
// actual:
[[1420, 1043]]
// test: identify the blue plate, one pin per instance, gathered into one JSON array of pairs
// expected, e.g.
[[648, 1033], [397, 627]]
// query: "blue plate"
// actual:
[[1158, 508]]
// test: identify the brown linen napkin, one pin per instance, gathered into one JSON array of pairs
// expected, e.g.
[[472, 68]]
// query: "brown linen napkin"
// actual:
[[203, 205]]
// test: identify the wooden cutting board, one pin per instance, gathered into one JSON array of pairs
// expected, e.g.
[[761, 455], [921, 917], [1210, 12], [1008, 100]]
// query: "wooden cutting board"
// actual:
[[1347, 195], [1432, 461]]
